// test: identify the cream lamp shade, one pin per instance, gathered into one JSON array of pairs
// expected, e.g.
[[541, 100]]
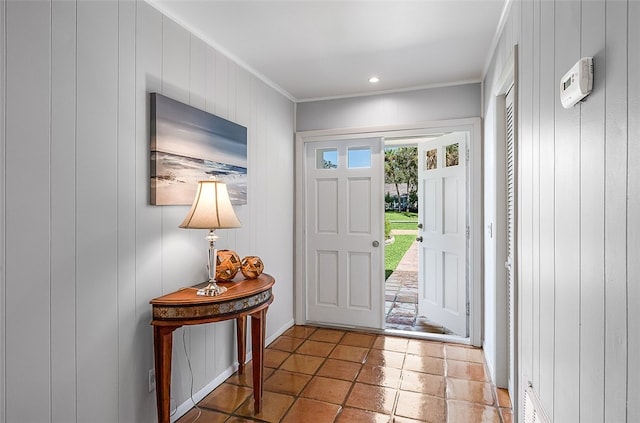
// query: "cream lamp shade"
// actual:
[[211, 208]]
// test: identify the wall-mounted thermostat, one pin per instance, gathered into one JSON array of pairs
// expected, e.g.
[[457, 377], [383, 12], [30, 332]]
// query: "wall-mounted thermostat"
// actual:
[[577, 83]]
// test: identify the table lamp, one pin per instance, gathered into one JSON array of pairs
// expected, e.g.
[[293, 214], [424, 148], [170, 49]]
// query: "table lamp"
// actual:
[[211, 209]]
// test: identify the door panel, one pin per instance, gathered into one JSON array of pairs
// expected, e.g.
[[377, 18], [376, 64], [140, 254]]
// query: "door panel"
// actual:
[[343, 214], [442, 277]]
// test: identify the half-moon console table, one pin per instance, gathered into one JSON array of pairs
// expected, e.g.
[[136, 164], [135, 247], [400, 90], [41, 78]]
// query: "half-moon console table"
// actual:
[[244, 297]]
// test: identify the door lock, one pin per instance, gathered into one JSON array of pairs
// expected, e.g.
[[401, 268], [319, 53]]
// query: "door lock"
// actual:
[[419, 225], [375, 243]]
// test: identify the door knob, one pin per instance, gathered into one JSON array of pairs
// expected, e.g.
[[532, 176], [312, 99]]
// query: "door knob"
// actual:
[[419, 238], [375, 243], [419, 225]]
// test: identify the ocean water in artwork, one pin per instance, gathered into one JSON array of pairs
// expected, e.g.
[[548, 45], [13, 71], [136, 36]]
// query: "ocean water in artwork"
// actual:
[[179, 176]]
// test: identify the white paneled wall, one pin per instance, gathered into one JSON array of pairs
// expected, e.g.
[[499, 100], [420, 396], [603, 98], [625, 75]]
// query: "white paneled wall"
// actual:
[[579, 207], [400, 108], [83, 252]]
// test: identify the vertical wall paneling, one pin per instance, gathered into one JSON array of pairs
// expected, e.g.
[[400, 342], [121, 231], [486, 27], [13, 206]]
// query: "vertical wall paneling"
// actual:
[[615, 247], [592, 180], [524, 220], [243, 243], [633, 230], [582, 203], [96, 211], [3, 6], [224, 330], [567, 212], [63, 212], [210, 105], [148, 218], [175, 84], [535, 210], [129, 374], [27, 132], [197, 334], [548, 104]]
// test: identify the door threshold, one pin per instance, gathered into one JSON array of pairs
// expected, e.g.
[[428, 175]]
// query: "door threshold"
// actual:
[[439, 337], [453, 339]]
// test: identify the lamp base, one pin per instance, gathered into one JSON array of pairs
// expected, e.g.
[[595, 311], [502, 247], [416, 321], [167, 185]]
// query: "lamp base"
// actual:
[[212, 290]]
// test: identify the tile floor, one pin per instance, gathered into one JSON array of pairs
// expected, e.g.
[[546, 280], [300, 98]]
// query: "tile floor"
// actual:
[[325, 375]]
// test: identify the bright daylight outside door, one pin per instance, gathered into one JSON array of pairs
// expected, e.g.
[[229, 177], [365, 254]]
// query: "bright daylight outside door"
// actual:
[[344, 232], [442, 275]]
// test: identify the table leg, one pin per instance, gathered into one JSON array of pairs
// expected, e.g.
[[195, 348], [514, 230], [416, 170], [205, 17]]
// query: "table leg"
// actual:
[[257, 353], [162, 345], [241, 335]]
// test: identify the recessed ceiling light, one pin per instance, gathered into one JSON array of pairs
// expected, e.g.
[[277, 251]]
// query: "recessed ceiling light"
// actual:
[[374, 79]]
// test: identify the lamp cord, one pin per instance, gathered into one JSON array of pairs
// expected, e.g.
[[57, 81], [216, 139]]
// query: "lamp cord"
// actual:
[[184, 346]]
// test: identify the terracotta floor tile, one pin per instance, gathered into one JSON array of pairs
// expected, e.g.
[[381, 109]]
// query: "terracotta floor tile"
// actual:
[[327, 335], [373, 398], [326, 389], [503, 397], [246, 379], [466, 412], [286, 343], [424, 364], [357, 339], [421, 407], [507, 415], [398, 419], [460, 353], [274, 406], [206, 416], [300, 331], [349, 353], [385, 358], [380, 376], [274, 358], [355, 415], [234, 419], [391, 343], [424, 383], [286, 382], [339, 369], [304, 408], [466, 370], [419, 347], [226, 397], [471, 391], [302, 363], [319, 349]]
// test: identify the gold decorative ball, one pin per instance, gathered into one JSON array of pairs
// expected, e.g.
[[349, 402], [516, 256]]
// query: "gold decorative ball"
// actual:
[[227, 265], [252, 267]]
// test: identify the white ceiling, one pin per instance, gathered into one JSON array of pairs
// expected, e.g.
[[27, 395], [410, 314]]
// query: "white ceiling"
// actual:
[[329, 49]]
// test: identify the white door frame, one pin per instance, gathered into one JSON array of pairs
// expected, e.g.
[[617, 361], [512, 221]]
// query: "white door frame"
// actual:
[[474, 127]]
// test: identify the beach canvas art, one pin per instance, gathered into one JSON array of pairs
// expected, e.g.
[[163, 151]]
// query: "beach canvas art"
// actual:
[[189, 145]]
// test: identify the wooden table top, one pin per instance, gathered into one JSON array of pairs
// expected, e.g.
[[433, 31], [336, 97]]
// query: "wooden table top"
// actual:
[[241, 294]]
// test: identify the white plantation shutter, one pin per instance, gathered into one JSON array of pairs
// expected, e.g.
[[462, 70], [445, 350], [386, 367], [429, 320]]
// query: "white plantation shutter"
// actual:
[[511, 234]]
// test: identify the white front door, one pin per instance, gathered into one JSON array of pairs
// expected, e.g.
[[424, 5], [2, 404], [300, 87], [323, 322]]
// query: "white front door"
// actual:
[[344, 232], [442, 274]]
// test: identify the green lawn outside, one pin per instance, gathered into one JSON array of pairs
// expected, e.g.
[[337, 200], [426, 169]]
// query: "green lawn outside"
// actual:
[[402, 220], [393, 253]]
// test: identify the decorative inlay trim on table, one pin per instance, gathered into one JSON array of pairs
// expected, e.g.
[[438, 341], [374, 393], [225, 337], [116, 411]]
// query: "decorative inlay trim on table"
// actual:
[[210, 310]]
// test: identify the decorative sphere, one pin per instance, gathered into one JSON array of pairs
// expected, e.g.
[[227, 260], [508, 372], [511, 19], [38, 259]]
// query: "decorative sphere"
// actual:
[[227, 265], [252, 267]]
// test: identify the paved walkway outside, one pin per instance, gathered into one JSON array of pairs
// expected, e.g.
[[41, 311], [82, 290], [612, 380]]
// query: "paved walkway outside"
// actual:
[[401, 295]]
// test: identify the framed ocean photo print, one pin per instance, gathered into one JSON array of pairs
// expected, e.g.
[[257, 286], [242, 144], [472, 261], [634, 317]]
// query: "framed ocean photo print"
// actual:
[[190, 145]]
